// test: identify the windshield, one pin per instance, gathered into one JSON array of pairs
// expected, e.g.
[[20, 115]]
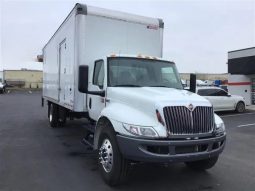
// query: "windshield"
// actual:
[[137, 72]]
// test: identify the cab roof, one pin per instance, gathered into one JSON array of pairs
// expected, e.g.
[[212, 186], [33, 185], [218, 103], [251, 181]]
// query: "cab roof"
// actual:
[[142, 56]]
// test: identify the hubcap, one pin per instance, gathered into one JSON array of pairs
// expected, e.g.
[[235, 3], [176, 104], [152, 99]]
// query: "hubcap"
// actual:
[[241, 107], [106, 155]]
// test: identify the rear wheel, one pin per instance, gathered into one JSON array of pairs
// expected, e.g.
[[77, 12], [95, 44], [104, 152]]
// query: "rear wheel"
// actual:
[[53, 115], [202, 164], [62, 112], [113, 166], [240, 107]]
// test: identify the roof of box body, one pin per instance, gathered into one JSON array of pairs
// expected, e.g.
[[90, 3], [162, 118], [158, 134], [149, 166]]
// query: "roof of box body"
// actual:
[[241, 53], [89, 10], [107, 13]]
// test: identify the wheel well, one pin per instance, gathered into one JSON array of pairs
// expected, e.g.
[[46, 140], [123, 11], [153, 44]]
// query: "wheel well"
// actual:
[[100, 124], [240, 102], [102, 120]]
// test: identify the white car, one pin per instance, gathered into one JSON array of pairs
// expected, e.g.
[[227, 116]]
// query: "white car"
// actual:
[[222, 100], [2, 87], [201, 83]]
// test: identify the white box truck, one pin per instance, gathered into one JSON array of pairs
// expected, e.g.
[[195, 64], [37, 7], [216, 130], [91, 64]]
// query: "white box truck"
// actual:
[[107, 66]]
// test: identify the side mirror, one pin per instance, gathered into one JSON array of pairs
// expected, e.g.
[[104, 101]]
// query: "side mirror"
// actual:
[[229, 95], [83, 81], [193, 83], [83, 78]]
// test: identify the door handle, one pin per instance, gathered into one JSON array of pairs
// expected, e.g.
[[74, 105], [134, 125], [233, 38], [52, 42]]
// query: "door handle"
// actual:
[[90, 103]]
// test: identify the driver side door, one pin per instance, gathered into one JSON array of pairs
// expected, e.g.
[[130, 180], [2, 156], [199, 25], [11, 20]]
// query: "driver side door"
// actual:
[[96, 102]]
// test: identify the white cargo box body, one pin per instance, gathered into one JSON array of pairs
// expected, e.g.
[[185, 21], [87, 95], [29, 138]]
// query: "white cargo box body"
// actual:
[[89, 34]]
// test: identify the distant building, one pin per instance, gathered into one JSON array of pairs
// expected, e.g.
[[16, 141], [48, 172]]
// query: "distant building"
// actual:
[[241, 67], [205, 76], [24, 78]]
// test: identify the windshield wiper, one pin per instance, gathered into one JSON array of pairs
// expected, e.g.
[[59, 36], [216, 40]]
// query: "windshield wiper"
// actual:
[[126, 85]]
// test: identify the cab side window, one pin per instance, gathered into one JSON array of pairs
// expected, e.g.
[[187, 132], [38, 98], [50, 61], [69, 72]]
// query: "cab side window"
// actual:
[[216, 92], [212, 92], [202, 92], [98, 76], [221, 93]]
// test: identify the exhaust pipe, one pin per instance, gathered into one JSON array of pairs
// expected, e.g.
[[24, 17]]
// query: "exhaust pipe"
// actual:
[[193, 83]]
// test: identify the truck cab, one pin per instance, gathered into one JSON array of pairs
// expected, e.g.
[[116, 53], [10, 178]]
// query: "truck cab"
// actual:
[[142, 113]]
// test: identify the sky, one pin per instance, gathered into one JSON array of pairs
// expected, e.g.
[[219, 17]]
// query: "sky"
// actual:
[[197, 34]]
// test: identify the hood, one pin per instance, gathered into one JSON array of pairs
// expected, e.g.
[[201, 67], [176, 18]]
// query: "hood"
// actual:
[[148, 99]]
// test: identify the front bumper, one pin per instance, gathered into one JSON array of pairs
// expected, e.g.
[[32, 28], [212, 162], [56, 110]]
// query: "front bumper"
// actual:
[[148, 150]]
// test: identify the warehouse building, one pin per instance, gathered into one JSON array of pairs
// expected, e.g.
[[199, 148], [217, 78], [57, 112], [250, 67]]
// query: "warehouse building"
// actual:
[[205, 76], [241, 69], [24, 78]]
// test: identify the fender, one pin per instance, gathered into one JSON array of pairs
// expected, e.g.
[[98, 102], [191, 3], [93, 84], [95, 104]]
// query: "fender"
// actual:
[[218, 120], [118, 113]]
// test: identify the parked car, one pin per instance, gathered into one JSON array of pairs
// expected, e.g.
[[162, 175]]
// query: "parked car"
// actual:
[[201, 83], [209, 82], [2, 87], [222, 100]]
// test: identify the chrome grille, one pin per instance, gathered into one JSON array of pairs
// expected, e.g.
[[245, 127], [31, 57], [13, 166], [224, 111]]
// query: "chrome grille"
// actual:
[[181, 121]]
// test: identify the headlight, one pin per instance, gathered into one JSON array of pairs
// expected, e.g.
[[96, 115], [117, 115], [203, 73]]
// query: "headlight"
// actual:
[[220, 128], [140, 130]]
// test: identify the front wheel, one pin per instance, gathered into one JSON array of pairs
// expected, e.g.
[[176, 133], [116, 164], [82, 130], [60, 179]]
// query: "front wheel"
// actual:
[[202, 164], [240, 107], [113, 167]]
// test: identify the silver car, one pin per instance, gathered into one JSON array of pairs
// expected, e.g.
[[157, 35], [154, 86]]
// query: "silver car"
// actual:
[[222, 100]]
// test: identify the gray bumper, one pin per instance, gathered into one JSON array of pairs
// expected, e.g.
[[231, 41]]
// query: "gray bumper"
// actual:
[[145, 150]]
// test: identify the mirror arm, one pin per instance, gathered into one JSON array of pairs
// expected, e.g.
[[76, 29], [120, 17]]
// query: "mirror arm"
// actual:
[[99, 93]]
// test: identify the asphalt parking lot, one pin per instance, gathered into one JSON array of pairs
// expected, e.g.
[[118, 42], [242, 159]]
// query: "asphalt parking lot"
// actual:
[[34, 156]]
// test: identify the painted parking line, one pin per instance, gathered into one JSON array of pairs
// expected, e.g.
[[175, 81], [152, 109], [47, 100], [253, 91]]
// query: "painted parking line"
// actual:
[[237, 114], [246, 125]]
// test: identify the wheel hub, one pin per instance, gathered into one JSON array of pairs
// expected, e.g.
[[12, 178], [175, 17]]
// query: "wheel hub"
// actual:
[[106, 155], [241, 108]]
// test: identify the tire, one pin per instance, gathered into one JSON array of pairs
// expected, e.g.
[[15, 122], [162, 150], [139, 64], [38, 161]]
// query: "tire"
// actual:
[[202, 164], [114, 169], [62, 122], [240, 107], [53, 115], [61, 116]]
